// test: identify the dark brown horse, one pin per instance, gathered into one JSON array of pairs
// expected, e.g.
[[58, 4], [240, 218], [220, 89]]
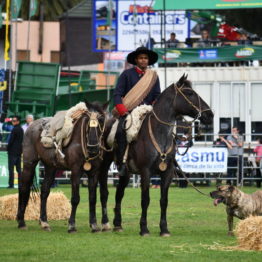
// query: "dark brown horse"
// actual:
[[86, 142], [153, 153]]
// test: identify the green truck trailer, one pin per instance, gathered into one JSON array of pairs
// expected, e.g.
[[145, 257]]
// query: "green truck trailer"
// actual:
[[42, 89]]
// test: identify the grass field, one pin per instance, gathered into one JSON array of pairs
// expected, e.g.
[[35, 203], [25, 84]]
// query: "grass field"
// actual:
[[196, 228]]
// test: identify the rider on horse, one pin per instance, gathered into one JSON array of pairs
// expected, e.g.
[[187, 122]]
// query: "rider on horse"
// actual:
[[146, 89]]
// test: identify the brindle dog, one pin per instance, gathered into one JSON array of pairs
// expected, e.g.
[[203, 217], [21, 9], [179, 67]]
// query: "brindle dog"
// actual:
[[237, 203]]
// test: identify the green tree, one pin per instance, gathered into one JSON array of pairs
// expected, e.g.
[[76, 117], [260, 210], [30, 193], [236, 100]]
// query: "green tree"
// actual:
[[52, 8]]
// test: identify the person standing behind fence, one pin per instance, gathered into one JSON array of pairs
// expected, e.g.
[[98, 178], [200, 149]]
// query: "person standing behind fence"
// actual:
[[258, 151], [172, 42], [222, 141], [29, 120], [14, 150], [235, 155]]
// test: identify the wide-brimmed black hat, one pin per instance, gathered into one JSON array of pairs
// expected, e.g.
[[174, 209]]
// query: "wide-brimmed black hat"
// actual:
[[153, 56]]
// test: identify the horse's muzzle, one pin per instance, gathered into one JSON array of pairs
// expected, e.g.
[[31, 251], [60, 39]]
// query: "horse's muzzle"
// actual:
[[207, 117]]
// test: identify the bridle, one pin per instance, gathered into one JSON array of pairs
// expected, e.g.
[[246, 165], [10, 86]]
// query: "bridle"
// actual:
[[93, 123], [198, 108]]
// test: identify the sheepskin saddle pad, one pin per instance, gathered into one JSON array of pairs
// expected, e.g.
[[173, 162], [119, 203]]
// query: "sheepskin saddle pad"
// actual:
[[133, 124], [60, 127]]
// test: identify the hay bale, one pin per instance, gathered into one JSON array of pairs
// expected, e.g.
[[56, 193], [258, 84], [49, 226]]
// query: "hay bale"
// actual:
[[249, 233], [58, 207]]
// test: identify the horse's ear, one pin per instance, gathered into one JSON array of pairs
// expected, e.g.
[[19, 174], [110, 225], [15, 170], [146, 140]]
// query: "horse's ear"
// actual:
[[105, 105], [88, 105], [181, 80]]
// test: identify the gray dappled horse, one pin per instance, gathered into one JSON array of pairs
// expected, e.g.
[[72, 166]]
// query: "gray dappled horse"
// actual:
[[153, 151], [86, 142]]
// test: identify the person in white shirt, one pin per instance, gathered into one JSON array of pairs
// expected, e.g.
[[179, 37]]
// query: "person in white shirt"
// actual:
[[29, 120]]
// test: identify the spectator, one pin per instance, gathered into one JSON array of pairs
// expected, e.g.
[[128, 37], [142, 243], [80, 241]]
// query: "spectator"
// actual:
[[172, 42], [14, 150], [184, 141], [29, 120], [243, 40], [258, 151], [235, 155], [222, 141], [204, 41]]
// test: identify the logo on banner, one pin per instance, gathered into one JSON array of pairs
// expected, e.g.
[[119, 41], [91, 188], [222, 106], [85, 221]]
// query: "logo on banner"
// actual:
[[208, 54], [172, 55], [204, 160], [244, 52], [145, 15]]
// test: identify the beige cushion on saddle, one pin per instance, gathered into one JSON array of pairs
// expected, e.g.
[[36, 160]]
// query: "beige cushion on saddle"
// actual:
[[133, 124], [61, 126]]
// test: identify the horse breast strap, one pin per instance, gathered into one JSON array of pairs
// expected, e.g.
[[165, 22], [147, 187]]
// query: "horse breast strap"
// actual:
[[163, 155]]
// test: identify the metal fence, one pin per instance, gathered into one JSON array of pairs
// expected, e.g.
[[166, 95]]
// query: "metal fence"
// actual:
[[244, 171]]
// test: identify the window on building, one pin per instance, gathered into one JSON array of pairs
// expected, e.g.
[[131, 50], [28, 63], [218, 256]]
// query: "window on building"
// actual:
[[55, 57], [23, 55], [205, 91], [232, 106], [256, 116]]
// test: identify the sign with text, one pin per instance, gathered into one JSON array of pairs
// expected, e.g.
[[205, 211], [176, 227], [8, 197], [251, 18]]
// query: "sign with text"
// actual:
[[4, 175], [198, 160], [137, 21], [210, 54], [124, 25]]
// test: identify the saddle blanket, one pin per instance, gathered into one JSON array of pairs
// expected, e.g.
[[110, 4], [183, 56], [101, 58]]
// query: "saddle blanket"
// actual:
[[133, 124]]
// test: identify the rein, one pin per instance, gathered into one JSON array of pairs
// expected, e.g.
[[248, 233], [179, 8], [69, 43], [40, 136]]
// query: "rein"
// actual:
[[164, 155], [189, 182]]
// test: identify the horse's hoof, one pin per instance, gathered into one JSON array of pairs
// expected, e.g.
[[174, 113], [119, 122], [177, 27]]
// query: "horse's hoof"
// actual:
[[72, 230], [95, 228], [106, 227], [118, 229], [45, 226], [230, 233], [22, 227], [47, 229], [145, 234], [165, 234]]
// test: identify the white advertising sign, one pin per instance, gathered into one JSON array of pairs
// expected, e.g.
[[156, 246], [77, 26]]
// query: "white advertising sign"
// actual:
[[197, 160], [137, 21]]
